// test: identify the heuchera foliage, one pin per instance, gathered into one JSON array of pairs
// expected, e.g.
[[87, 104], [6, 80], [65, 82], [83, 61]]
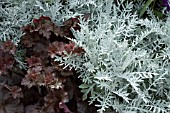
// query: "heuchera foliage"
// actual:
[[44, 87], [7, 60]]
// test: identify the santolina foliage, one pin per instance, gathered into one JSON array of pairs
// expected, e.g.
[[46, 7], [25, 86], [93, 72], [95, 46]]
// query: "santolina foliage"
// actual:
[[123, 67]]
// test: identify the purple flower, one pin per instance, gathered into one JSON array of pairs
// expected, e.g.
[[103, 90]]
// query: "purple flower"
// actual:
[[166, 4]]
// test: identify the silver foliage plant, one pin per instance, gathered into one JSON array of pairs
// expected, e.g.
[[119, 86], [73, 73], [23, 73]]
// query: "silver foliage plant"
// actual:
[[125, 67]]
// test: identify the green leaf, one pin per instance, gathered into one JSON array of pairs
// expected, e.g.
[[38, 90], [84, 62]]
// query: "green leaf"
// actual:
[[159, 14], [145, 7]]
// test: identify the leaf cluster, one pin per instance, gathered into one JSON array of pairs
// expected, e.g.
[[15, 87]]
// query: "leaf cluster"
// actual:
[[122, 67], [51, 87]]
